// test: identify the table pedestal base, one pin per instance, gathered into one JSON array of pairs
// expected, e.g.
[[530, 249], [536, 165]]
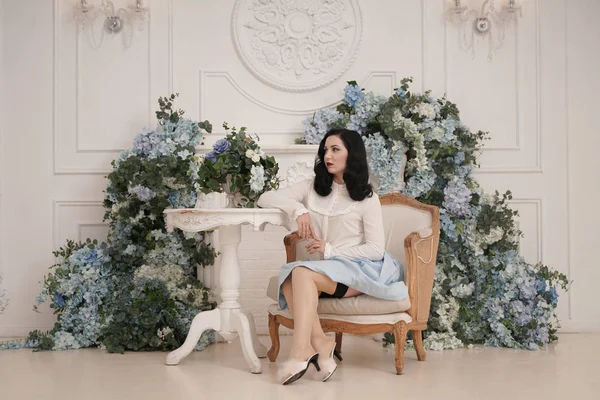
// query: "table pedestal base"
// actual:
[[242, 324], [228, 319]]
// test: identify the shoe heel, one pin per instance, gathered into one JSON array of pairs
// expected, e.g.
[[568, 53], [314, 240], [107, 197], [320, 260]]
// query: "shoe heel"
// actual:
[[298, 368], [329, 364], [337, 355], [315, 361]]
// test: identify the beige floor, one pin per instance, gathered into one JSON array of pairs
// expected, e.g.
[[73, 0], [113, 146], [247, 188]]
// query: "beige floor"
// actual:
[[567, 370]]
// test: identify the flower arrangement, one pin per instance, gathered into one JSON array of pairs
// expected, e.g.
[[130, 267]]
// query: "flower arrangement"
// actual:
[[77, 290], [236, 164], [484, 291], [138, 290]]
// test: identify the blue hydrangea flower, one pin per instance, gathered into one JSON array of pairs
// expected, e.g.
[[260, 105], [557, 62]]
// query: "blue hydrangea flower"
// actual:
[[143, 193], [540, 285], [420, 183], [221, 146], [58, 299], [553, 296], [212, 156], [365, 112], [79, 294], [353, 95], [448, 226], [384, 162], [182, 198], [164, 140], [457, 197], [316, 127], [449, 124]]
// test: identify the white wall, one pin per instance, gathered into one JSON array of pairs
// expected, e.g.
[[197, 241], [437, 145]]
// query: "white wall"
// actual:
[[3, 297], [69, 109], [583, 85]]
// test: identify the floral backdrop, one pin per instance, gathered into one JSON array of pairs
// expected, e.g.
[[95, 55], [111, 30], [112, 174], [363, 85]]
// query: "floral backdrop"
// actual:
[[484, 291], [138, 290]]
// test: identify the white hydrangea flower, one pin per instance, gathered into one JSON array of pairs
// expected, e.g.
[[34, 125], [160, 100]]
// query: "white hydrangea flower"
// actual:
[[437, 133], [425, 110], [173, 276], [410, 128], [442, 341], [411, 132], [487, 199], [257, 178], [420, 162], [164, 332], [117, 206], [463, 290], [496, 234], [171, 183]]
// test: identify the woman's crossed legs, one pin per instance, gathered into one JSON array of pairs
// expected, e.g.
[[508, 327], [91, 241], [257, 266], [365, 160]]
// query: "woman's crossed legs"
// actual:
[[301, 290]]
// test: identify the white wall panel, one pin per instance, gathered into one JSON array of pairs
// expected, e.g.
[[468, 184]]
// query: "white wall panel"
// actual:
[[69, 109]]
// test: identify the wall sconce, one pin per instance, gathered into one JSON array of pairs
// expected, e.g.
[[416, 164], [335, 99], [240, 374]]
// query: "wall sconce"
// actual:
[[114, 22], [488, 22]]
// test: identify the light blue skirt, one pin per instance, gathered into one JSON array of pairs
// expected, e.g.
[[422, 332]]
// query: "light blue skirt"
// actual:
[[382, 279]]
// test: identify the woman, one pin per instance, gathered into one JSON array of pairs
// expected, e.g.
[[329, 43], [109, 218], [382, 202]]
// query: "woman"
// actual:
[[339, 216]]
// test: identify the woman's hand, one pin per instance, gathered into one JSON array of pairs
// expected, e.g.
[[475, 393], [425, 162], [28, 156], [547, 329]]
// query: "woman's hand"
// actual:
[[305, 228], [318, 245]]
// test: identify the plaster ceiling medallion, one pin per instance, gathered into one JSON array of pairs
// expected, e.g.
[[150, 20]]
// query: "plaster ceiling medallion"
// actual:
[[297, 45]]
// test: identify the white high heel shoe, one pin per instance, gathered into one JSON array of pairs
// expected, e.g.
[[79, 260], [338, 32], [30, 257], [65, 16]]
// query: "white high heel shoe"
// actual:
[[329, 365], [293, 370]]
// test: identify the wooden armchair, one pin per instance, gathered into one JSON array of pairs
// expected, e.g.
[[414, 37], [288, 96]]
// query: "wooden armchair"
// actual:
[[412, 237]]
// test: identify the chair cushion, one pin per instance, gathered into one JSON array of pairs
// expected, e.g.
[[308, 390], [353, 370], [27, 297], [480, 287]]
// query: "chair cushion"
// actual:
[[359, 305], [355, 319], [399, 221]]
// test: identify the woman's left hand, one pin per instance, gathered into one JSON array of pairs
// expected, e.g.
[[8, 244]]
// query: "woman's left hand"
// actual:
[[317, 245]]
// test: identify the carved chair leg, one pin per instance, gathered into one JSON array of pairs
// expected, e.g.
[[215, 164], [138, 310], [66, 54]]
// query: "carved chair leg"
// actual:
[[400, 331], [418, 342], [338, 342], [274, 333]]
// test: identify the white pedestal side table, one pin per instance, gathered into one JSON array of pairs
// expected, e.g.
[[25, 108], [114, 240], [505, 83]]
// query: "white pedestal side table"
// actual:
[[228, 318]]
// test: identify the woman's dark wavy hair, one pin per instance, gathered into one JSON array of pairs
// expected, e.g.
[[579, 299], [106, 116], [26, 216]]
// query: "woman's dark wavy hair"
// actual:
[[356, 175]]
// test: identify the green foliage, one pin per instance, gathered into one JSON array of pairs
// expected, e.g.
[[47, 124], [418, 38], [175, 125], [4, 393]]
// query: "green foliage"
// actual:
[[42, 340], [231, 170], [139, 290]]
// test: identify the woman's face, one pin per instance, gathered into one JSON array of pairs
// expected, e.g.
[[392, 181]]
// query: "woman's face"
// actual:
[[336, 155]]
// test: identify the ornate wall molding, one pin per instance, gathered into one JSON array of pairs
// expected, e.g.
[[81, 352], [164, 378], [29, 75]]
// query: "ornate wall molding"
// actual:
[[78, 222], [527, 100], [302, 170], [297, 45], [297, 173], [539, 232]]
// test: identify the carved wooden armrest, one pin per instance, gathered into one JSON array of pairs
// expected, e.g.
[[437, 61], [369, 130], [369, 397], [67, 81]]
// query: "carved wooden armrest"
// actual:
[[290, 241], [421, 255]]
